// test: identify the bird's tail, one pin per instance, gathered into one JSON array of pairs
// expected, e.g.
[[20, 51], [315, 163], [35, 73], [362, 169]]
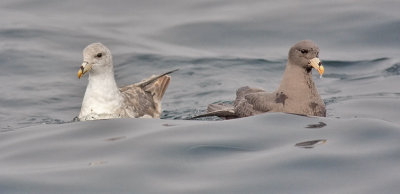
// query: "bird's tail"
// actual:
[[157, 85], [153, 78], [220, 110]]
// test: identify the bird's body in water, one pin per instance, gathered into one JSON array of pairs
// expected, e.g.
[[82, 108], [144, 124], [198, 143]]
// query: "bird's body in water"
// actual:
[[104, 100], [296, 94]]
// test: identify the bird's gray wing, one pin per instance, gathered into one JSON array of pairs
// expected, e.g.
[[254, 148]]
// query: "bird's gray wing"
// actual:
[[144, 98], [254, 103], [138, 102], [240, 108], [243, 91]]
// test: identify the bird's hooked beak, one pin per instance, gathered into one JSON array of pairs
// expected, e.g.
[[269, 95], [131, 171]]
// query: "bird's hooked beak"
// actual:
[[85, 67], [316, 64]]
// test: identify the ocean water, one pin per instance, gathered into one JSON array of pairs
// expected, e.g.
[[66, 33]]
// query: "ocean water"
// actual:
[[218, 46]]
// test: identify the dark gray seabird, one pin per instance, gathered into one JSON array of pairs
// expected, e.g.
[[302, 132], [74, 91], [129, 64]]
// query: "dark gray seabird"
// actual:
[[104, 100], [296, 94]]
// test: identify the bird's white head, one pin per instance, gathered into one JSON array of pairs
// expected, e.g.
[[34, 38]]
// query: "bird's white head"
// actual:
[[97, 59]]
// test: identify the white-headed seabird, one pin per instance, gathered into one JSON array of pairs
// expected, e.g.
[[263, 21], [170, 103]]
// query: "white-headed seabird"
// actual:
[[104, 100]]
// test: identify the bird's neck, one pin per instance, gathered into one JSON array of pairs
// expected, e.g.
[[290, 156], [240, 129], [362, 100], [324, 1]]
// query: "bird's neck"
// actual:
[[103, 82], [297, 83], [102, 94]]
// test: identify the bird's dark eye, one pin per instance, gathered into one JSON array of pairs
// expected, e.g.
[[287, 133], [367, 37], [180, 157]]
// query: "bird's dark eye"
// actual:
[[99, 55], [304, 51]]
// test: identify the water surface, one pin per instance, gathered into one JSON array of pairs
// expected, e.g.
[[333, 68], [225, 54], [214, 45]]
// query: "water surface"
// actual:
[[218, 46]]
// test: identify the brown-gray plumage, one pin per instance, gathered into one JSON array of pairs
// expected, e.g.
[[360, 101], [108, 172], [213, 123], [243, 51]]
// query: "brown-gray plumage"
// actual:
[[104, 100], [296, 94]]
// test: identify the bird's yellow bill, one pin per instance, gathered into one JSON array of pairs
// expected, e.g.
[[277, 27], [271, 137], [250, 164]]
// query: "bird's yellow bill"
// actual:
[[85, 67], [316, 64]]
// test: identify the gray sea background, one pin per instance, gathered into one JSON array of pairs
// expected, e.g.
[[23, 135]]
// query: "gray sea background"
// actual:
[[218, 46]]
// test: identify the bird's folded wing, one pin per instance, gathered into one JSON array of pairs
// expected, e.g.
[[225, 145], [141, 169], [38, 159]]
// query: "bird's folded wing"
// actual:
[[260, 101], [243, 91], [138, 102]]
